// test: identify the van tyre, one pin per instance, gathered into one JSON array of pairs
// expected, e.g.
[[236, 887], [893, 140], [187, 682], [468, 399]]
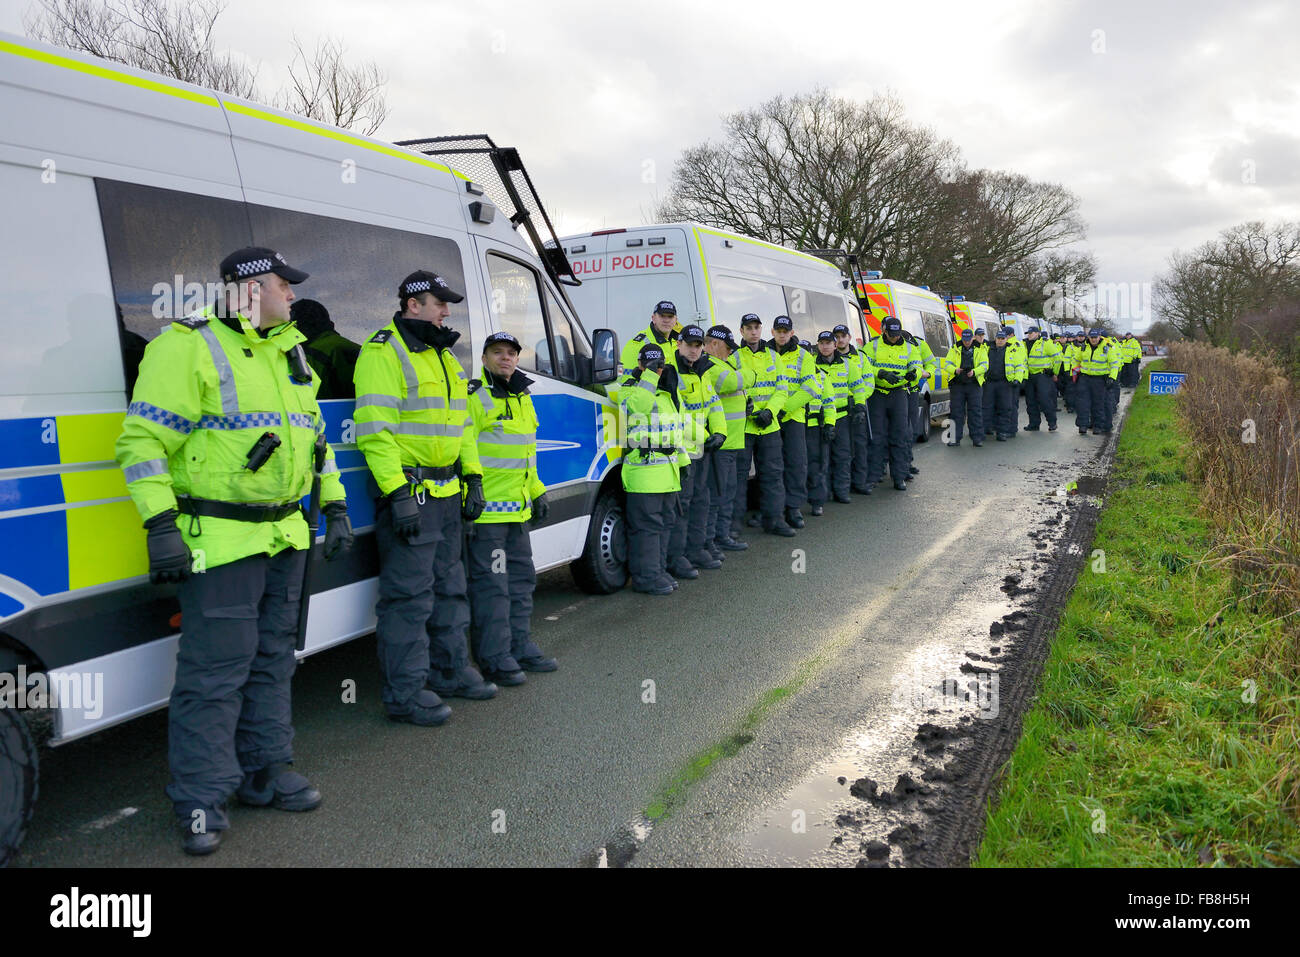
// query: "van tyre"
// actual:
[[924, 434], [18, 781], [602, 569]]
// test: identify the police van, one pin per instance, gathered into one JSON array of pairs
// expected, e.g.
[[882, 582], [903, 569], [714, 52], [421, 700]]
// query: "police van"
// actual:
[[975, 315], [922, 313], [710, 275], [122, 191]]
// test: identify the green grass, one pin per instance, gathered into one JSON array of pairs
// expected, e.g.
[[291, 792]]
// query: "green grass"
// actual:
[[1140, 749]]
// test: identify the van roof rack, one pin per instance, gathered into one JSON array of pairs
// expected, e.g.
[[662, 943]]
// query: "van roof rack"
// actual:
[[500, 172]]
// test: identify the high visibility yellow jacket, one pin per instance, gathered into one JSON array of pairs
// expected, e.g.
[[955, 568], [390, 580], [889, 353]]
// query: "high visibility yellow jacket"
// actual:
[[900, 358], [653, 423], [505, 432], [823, 411], [836, 371], [795, 367], [929, 364], [1103, 359], [952, 364], [206, 392], [629, 360], [1132, 350], [411, 406], [860, 373], [729, 382], [702, 413], [1042, 355], [1017, 361], [769, 390]]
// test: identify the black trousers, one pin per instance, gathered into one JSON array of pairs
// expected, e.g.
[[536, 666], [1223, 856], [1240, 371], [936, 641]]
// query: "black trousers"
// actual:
[[650, 517], [1040, 399], [722, 493], [841, 458], [1092, 403], [687, 535], [859, 447], [230, 707], [1000, 407], [423, 608], [891, 421], [819, 460], [967, 405], [501, 584], [794, 455], [766, 452]]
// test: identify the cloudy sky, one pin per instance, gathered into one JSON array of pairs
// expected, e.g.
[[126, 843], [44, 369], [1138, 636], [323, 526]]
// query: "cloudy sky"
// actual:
[[1170, 120]]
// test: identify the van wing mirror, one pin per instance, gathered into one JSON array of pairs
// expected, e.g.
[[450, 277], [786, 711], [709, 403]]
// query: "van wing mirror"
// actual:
[[604, 355]]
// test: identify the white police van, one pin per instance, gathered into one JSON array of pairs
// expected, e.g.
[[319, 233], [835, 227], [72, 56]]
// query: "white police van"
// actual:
[[710, 275], [122, 190]]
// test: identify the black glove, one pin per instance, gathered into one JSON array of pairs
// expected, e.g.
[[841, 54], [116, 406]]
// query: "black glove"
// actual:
[[911, 376], [714, 442], [888, 375], [763, 418], [541, 508], [828, 432], [858, 412], [406, 513], [749, 407], [169, 556], [475, 501], [338, 530]]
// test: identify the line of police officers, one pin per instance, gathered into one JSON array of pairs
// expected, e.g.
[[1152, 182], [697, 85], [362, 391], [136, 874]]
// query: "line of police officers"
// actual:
[[222, 439], [699, 408]]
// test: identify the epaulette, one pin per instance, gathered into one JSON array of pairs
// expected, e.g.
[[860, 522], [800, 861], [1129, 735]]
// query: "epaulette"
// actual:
[[383, 335], [192, 322], [639, 337], [473, 386]]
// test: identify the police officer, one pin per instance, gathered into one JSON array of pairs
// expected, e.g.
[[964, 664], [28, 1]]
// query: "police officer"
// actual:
[[861, 381], [762, 431], [820, 427], [1042, 356], [501, 602], [964, 368], [1132, 354], [1112, 387], [896, 366], [834, 367], [795, 366], [223, 428], [704, 431], [333, 358], [1000, 382], [1095, 362], [1019, 364], [661, 332], [649, 408], [916, 400], [414, 429], [728, 381]]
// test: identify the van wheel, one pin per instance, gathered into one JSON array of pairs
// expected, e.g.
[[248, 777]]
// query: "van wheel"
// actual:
[[18, 785], [924, 435], [602, 569]]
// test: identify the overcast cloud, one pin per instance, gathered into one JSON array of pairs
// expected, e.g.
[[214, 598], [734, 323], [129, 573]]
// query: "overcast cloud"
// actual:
[[1171, 120]]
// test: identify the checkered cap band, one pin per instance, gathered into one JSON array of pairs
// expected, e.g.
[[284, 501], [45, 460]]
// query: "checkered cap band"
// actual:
[[253, 267]]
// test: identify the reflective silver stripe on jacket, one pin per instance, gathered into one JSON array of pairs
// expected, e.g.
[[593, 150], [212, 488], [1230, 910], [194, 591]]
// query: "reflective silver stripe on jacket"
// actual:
[[141, 470], [225, 374], [494, 435], [494, 462]]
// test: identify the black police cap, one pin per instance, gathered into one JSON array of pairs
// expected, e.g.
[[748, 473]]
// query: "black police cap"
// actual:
[[692, 333], [826, 336], [424, 281], [840, 328], [749, 317], [891, 324], [782, 322], [650, 353], [665, 308], [505, 337], [723, 333], [254, 261]]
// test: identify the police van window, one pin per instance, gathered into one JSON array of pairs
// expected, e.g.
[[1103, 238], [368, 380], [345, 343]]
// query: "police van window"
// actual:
[[854, 320], [632, 298], [516, 307], [811, 312], [355, 269], [733, 297], [569, 344], [163, 250], [937, 330]]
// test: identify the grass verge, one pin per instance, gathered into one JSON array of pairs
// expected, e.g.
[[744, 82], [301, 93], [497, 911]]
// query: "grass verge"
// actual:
[[1154, 739]]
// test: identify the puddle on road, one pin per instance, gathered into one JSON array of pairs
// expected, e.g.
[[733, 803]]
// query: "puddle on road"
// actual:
[[819, 822]]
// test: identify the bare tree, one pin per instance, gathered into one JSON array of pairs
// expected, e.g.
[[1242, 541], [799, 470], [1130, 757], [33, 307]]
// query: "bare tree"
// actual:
[[324, 87], [820, 171], [1163, 332], [177, 41], [147, 34], [1250, 268]]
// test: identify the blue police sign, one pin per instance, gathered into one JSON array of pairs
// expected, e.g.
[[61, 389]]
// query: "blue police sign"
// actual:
[[1166, 383]]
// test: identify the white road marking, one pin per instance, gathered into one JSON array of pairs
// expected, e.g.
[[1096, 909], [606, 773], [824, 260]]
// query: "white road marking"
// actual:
[[108, 819]]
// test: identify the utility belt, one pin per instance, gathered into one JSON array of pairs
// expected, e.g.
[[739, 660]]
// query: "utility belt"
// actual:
[[235, 511], [1097, 375], [436, 473]]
